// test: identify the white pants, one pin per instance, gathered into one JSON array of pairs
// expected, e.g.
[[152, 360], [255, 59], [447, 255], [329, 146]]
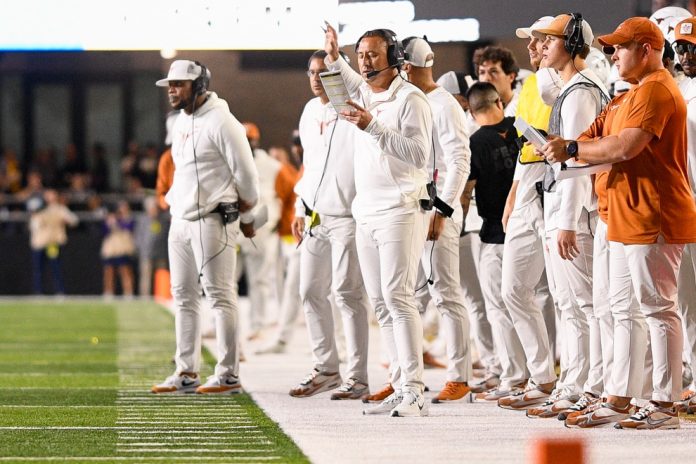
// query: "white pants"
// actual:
[[329, 264], [507, 343], [687, 304], [581, 366], [523, 270], [214, 262], [479, 326], [291, 302], [602, 307], [446, 294], [258, 259], [390, 249], [654, 272]]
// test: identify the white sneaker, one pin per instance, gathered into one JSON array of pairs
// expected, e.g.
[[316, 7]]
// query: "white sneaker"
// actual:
[[227, 385], [386, 406], [178, 383], [412, 405]]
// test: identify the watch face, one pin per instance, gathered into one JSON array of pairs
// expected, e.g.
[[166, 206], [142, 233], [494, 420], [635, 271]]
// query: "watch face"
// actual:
[[573, 148]]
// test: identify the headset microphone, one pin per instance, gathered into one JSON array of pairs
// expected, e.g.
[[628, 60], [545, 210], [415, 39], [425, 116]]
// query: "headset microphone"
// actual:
[[372, 74]]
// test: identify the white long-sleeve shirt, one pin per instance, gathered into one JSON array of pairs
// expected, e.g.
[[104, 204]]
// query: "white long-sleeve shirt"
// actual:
[[268, 169], [452, 155], [392, 151], [213, 161], [320, 128], [564, 207]]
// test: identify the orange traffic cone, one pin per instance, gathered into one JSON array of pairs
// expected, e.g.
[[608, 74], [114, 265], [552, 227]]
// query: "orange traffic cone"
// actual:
[[163, 287], [557, 451]]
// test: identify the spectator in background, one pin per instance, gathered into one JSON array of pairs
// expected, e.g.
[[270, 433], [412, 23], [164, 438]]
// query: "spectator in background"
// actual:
[[44, 163], [129, 164], [148, 230], [33, 188], [296, 150], [49, 218], [72, 165], [147, 167], [118, 249], [99, 169], [10, 172]]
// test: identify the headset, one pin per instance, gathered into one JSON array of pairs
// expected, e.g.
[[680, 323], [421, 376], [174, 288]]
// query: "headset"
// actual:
[[574, 40], [201, 83], [395, 50]]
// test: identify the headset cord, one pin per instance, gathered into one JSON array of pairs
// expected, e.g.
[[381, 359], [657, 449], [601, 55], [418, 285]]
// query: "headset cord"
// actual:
[[321, 179], [198, 204]]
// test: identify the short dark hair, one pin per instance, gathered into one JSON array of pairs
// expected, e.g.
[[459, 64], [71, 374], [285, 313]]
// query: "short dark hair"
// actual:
[[481, 96], [495, 55], [319, 54]]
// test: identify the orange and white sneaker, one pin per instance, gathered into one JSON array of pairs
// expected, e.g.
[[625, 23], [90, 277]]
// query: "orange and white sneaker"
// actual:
[[316, 382], [561, 400], [651, 417], [489, 381], [531, 396], [430, 362], [227, 385], [585, 401], [602, 415], [453, 391], [183, 382], [380, 395]]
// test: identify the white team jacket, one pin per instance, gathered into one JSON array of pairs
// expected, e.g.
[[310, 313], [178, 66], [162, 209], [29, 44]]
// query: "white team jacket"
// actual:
[[392, 152], [319, 129], [452, 154], [212, 159]]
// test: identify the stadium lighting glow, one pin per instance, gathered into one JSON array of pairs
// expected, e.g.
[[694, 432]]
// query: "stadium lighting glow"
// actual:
[[209, 24]]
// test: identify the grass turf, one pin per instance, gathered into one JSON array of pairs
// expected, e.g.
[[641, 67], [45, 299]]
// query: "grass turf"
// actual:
[[76, 376]]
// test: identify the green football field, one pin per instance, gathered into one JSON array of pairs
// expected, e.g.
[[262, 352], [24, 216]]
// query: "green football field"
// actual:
[[75, 388]]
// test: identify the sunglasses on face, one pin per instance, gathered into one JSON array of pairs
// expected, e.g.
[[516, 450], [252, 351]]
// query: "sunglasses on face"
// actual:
[[685, 47], [608, 50]]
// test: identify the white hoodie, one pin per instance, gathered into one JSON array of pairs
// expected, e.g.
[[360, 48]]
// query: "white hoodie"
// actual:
[[392, 152], [213, 162], [324, 135]]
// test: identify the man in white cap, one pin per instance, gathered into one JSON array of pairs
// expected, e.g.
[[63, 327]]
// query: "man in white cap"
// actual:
[[215, 182], [523, 223], [449, 169], [570, 214]]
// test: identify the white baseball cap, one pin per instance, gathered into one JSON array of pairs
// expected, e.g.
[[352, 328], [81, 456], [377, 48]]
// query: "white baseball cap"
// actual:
[[182, 70], [526, 32], [448, 81], [418, 52]]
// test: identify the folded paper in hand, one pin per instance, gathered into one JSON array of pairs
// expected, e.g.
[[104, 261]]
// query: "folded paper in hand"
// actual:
[[534, 137], [336, 90]]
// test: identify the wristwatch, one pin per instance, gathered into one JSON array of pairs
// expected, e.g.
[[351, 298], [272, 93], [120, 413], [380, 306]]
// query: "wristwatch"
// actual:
[[572, 149]]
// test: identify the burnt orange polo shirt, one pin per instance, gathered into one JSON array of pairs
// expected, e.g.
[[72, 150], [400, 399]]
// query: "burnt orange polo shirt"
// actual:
[[649, 195], [596, 131]]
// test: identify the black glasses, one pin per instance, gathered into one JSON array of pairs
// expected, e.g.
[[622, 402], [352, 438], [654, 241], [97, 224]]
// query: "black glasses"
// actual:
[[684, 47], [608, 50]]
